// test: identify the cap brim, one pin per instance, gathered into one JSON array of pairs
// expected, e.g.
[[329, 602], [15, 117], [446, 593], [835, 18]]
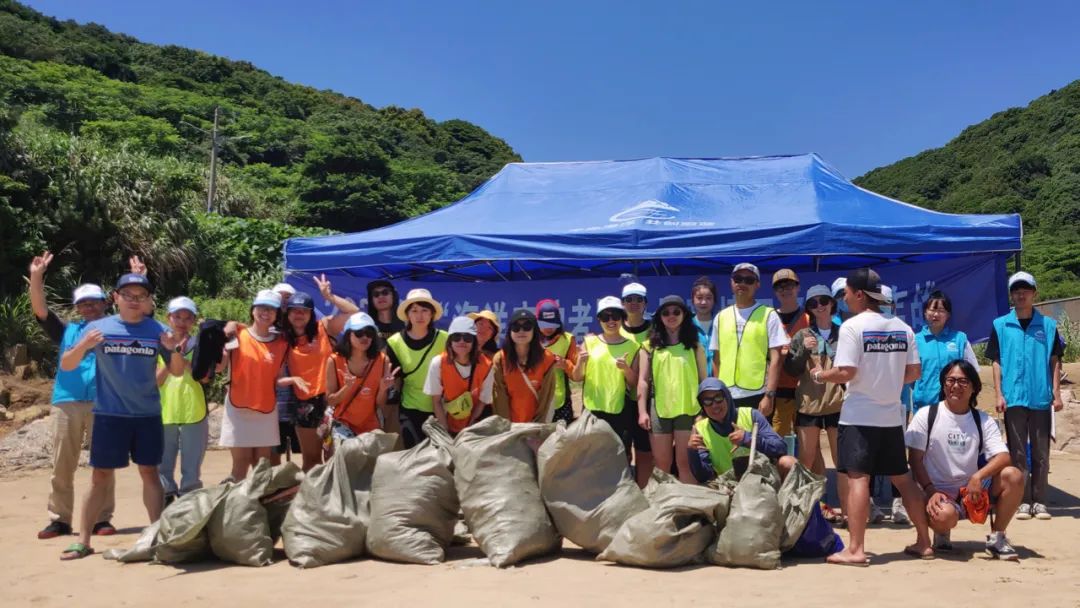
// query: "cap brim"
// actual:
[[880, 297], [88, 298], [547, 325], [1015, 284]]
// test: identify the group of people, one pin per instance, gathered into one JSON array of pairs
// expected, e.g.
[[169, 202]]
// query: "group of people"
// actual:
[[685, 389]]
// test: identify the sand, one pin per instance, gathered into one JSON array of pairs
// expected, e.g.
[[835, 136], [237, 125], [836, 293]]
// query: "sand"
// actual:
[[33, 575]]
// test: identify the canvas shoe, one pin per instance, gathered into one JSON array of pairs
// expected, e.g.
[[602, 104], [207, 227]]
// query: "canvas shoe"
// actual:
[[876, 514], [1024, 512], [1039, 511], [899, 513], [998, 547], [943, 543]]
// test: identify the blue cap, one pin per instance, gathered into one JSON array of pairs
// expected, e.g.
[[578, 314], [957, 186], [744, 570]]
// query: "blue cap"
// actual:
[[301, 300], [134, 278], [711, 384], [358, 321]]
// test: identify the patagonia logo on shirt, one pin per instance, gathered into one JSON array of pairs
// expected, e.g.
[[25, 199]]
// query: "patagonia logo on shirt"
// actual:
[[885, 342], [120, 346]]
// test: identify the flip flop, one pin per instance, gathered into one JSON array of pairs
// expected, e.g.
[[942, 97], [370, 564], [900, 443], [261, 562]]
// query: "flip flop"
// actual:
[[916, 553], [103, 528], [863, 564], [76, 551]]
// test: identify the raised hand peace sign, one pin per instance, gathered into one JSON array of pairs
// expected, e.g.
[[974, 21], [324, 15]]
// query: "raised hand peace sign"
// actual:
[[389, 379], [40, 263]]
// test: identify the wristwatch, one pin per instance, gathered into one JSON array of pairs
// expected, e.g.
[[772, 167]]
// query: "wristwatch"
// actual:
[[179, 348], [770, 394]]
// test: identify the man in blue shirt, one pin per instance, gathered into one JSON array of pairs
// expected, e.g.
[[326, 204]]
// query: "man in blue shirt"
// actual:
[[127, 407]]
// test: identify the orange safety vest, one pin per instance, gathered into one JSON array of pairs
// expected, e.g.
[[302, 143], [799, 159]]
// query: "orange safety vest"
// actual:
[[523, 403], [455, 386], [358, 412], [254, 372], [307, 359], [802, 321]]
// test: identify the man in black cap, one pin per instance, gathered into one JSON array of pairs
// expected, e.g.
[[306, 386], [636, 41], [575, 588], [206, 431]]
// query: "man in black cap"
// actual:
[[875, 357]]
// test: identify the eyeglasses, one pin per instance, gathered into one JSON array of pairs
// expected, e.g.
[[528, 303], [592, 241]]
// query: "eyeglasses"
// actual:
[[634, 300], [469, 338], [960, 382], [817, 302], [379, 293], [607, 317], [127, 297], [707, 401], [743, 280], [521, 327], [671, 311]]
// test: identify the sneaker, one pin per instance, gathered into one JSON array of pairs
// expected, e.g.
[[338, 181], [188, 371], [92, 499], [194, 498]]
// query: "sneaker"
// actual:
[[899, 513], [998, 546], [876, 514], [1039, 511], [943, 543], [1024, 512], [54, 529]]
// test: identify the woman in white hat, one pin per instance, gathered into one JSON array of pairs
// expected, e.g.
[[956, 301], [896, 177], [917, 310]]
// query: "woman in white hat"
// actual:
[[459, 380], [183, 409], [411, 351], [608, 365], [358, 376], [249, 427]]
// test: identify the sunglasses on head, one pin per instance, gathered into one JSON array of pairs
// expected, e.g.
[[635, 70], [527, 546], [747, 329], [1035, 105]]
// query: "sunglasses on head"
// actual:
[[817, 302], [633, 299], [378, 293], [671, 311], [608, 316], [743, 280], [469, 338], [521, 327]]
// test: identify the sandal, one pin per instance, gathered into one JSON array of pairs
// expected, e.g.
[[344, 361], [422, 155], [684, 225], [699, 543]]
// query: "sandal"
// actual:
[[103, 528], [76, 551]]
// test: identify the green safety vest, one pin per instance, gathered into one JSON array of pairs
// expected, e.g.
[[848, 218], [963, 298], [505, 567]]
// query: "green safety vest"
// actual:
[[675, 381], [743, 362], [415, 363], [560, 347], [182, 398], [605, 384], [719, 446]]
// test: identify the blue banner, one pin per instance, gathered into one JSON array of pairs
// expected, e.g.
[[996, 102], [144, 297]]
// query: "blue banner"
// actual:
[[976, 285]]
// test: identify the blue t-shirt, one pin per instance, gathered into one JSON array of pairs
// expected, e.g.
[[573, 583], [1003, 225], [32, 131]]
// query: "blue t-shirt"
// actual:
[[127, 367]]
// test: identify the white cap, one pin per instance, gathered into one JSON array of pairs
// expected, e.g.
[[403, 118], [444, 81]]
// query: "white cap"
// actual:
[[358, 321], [609, 302], [634, 289], [87, 291], [1021, 277], [838, 285], [887, 292], [267, 297], [462, 325], [284, 287], [817, 291], [182, 303], [746, 266]]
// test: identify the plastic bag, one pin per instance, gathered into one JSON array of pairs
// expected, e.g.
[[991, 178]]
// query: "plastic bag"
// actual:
[[586, 484], [751, 536], [495, 476], [414, 505], [239, 529], [798, 498], [328, 519], [818, 539]]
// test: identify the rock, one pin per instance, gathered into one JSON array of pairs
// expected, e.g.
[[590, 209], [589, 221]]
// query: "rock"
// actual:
[[215, 412], [5, 395], [16, 356], [25, 372]]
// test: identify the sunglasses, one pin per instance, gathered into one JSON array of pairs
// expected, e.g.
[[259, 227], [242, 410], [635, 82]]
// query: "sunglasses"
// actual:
[[468, 338], [607, 317], [379, 293], [740, 280], [634, 300], [786, 285], [521, 327], [817, 302], [367, 332], [707, 401], [671, 311]]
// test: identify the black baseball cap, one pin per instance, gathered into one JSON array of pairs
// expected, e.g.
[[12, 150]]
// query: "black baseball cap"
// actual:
[[301, 300], [673, 299], [868, 281], [523, 314], [134, 278]]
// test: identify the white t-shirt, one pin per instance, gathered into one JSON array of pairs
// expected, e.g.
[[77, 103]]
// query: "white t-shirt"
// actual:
[[953, 455], [774, 328], [879, 348], [433, 382]]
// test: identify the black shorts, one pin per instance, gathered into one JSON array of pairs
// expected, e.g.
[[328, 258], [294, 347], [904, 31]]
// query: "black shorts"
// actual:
[[825, 421], [627, 428], [289, 439], [307, 414], [871, 450], [753, 401]]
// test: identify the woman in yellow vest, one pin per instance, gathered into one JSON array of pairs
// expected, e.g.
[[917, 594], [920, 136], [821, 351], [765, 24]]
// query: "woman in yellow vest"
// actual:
[[459, 381], [562, 344], [608, 365], [249, 427], [524, 372], [411, 352], [183, 410], [672, 367], [721, 440]]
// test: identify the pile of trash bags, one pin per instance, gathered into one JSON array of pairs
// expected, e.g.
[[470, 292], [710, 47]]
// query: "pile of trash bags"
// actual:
[[519, 488]]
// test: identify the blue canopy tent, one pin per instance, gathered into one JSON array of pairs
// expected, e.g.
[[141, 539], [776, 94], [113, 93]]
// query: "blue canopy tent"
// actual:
[[662, 217]]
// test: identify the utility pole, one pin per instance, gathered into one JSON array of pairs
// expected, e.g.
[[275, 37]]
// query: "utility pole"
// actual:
[[213, 162]]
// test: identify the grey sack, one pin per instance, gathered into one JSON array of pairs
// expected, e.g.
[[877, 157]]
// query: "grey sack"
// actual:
[[751, 537]]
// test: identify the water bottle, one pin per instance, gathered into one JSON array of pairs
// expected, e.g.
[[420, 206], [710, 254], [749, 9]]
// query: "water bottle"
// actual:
[[790, 441]]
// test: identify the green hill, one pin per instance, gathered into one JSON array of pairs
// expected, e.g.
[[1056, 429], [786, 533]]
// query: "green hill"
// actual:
[[1022, 160], [101, 156]]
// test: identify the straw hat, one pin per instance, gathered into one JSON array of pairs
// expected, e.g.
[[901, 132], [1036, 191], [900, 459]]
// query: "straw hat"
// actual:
[[487, 315], [417, 296]]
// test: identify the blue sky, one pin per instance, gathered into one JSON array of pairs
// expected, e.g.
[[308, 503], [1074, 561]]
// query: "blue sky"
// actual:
[[861, 83]]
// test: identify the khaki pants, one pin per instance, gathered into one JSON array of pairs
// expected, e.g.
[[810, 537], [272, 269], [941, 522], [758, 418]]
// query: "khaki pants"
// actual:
[[783, 418], [73, 422]]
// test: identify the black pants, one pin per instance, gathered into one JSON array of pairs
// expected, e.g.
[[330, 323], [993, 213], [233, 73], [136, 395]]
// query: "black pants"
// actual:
[[1023, 425], [412, 426]]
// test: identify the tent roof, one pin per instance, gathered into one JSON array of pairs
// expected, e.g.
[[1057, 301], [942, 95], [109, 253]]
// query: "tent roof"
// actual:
[[534, 220]]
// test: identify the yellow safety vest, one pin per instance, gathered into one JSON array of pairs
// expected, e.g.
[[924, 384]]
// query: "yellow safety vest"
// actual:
[[605, 384], [675, 381], [743, 362], [182, 398], [561, 348], [416, 363], [719, 446]]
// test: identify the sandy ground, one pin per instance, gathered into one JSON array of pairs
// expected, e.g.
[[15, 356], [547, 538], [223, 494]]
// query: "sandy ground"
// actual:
[[32, 575]]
